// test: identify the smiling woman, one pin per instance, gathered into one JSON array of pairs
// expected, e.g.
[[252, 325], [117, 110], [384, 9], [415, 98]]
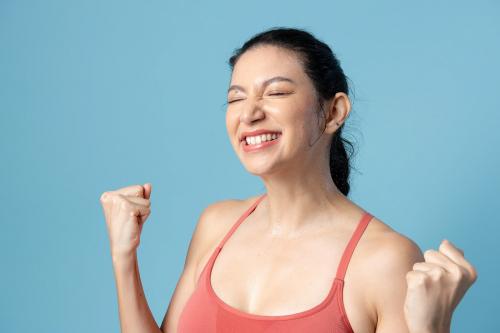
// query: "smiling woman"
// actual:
[[301, 257], [307, 76]]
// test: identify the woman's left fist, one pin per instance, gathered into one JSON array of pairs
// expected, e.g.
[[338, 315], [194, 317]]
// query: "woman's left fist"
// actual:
[[435, 287]]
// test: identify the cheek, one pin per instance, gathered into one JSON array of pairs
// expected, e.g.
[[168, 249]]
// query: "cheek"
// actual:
[[305, 126], [231, 125]]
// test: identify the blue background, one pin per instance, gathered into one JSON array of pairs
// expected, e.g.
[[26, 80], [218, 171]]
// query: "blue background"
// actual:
[[97, 95]]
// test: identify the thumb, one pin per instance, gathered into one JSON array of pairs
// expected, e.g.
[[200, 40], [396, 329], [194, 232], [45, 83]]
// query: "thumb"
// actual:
[[147, 190]]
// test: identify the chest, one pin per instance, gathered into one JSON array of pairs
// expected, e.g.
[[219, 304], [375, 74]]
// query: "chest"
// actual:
[[266, 276]]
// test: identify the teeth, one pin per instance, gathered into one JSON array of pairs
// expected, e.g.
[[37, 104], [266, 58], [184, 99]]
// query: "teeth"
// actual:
[[252, 140]]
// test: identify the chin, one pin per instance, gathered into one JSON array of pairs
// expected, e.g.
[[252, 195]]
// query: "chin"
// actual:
[[262, 169]]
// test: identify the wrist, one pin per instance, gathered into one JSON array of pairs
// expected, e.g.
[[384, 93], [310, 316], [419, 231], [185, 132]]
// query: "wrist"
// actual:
[[121, 258]]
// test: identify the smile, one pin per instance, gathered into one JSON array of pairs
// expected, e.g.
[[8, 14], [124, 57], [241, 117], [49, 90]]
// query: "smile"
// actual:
[[260, 142]]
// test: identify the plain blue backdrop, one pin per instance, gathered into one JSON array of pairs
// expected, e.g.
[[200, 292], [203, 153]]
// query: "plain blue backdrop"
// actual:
[[96, 95]]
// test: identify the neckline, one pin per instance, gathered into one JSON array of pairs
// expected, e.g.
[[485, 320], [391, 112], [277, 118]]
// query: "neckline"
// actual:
[[326, 300]]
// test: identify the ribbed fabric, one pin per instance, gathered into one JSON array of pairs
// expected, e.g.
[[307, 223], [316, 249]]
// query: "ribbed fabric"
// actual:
[[205, 312]]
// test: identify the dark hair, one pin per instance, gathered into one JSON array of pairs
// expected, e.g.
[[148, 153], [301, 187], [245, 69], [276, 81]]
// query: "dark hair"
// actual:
[[323, 68]]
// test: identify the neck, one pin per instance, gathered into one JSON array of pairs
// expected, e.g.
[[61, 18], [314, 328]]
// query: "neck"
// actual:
[[296, 203]]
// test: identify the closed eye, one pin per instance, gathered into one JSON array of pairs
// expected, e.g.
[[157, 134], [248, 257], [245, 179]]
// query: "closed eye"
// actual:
[[270, 94]]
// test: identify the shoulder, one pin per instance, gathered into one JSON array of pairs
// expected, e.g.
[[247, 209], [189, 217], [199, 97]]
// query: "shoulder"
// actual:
[[390, 248], [219, 216], [389, 256], [214, 222]]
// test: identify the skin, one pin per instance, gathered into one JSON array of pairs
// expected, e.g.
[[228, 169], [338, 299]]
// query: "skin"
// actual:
[[283, 258]]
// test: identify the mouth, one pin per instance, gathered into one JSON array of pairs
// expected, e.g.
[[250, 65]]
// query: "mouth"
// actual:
[[258, 139], [260, 142]]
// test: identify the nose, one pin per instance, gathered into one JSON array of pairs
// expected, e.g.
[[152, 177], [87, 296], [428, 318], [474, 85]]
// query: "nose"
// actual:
[[252, 111]]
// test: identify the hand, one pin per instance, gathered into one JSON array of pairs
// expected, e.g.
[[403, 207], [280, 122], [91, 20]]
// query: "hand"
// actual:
[[435, 287], [125, 211]]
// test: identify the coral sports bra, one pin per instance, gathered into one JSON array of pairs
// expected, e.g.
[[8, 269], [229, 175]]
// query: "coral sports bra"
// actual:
[[205, 312]]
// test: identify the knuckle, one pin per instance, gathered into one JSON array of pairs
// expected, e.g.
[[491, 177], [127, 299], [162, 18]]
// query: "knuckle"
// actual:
[[428, 253], [438, 273], [415, 279], [138, 190], [104, 197], [474, 274], [419, 280], [457, 272], [124, 204]]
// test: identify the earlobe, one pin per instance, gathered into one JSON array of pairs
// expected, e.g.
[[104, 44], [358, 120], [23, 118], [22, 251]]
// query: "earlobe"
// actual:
[[340, 108]]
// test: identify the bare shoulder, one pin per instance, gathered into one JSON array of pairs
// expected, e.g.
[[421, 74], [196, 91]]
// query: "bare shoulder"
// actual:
[[388, 247], [387, 256], [218, 217], [213, 223]]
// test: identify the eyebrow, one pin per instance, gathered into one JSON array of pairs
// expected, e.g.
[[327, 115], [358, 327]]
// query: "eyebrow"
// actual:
[[265, 83]]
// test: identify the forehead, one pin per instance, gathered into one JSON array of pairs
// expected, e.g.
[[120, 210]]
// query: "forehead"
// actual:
[[265, 61]]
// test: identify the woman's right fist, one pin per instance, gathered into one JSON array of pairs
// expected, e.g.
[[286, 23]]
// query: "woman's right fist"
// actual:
[[125, 211]]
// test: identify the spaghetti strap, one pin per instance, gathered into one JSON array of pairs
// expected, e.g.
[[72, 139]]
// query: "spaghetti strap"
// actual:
[[346, 256], [240, 220], [206, 312]]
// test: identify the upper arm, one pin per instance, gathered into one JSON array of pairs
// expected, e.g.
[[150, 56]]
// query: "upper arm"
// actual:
[[201, 240], [388, 287]]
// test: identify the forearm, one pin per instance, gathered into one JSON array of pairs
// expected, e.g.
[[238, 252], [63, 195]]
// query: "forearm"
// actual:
[[134, 312]]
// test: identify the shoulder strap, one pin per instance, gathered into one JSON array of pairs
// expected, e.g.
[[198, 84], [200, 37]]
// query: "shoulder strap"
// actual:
[[346, 256], [240, 220]]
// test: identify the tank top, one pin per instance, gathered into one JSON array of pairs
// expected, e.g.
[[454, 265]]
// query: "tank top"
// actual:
[[205, 312]]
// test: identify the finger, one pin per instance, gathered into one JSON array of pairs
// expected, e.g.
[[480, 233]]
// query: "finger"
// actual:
[[457, 255], [139, 201], [143, 218], [434, 270], [128, 207], [139, 210], [423, 266], [451, 251], [436, 257], [453, 246], [132, 190], [147, 190], [415, 279]]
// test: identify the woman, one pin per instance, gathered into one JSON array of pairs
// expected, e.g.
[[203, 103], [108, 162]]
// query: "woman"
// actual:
[[301, 257]]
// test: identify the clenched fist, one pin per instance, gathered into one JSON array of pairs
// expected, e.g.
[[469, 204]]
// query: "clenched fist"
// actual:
[[435, 287], [125, 211]]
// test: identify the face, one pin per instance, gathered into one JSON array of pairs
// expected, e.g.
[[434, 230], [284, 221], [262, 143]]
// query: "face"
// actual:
[[270, 91]]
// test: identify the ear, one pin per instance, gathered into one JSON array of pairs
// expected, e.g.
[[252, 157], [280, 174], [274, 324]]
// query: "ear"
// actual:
[[338, 109]]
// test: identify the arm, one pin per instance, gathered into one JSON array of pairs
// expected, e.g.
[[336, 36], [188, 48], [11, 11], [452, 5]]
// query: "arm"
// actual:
[[125, 211], [391, 261], [134, 312]]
